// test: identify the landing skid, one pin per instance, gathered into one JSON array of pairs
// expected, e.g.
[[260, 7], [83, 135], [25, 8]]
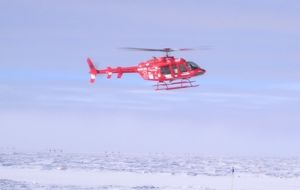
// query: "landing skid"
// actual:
[[172, 85]]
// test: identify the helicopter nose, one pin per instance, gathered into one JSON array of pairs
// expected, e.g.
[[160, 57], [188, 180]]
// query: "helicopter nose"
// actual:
[[202, 71]]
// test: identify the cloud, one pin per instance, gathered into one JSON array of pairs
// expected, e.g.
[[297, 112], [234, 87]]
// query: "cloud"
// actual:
[[254, 100], [293, 87]]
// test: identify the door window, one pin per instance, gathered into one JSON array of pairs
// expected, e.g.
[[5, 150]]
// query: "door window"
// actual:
[[165, 70], [182, 68]]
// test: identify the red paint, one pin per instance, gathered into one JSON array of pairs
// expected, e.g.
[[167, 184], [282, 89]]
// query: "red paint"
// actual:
[[169, 72]]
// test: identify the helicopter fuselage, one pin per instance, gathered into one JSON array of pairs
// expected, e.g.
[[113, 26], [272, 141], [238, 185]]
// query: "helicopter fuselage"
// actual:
[[165, 70], [168, 69]]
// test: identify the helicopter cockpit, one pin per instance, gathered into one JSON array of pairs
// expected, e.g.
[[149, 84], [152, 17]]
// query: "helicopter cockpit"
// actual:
[[192, 65]]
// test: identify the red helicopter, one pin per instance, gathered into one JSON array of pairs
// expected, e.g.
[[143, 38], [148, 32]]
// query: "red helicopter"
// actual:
[[169, 72]]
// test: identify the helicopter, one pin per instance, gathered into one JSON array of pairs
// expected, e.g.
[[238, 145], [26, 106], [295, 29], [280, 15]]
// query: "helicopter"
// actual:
[[169, 72]]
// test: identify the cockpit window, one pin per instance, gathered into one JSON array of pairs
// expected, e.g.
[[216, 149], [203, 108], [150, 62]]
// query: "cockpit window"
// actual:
[[192, 65]]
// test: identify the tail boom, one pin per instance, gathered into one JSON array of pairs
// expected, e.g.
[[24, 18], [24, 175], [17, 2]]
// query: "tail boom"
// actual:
[[108, 71]]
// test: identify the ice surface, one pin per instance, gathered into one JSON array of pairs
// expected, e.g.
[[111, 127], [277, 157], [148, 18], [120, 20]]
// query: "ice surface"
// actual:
[[57, 170]]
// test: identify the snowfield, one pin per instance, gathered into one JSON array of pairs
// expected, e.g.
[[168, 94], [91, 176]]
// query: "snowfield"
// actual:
[[56, 170]]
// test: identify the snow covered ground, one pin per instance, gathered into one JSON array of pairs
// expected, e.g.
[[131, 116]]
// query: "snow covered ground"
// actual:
[[56, 170]]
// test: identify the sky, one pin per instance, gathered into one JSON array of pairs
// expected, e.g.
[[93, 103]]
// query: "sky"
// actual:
[[248, 102]]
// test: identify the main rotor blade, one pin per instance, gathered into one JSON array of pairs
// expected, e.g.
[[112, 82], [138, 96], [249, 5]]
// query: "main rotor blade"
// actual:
[[143, 49], [166, 49]]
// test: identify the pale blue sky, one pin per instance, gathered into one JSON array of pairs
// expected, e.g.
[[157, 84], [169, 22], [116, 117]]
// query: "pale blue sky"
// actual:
[[247, 103]]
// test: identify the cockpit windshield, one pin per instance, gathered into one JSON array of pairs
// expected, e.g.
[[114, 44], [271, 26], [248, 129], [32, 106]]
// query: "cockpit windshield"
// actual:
[[192, 65]]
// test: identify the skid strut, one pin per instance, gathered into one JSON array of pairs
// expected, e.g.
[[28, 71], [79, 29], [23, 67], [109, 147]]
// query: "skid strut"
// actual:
[[171, 85]]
